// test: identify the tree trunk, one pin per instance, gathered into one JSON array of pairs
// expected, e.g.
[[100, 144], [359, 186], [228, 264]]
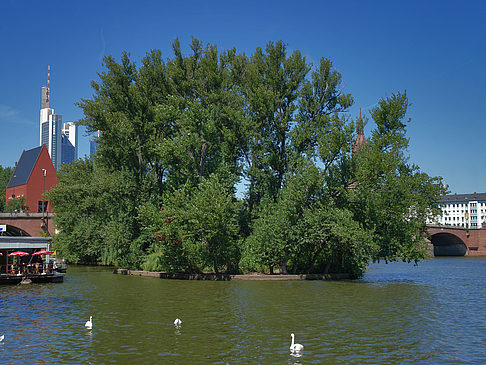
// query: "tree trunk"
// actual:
[[328, 265], [139, 151], [203, 157]]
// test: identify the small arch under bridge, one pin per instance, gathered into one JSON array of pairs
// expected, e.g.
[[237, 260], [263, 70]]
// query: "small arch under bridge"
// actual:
[[28, 224], [457, 241]]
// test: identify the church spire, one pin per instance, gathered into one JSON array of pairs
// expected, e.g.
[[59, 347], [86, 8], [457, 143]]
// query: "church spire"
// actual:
[[360, 138]]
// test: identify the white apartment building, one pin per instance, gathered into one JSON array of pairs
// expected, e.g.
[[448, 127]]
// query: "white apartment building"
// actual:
[[463, 210]]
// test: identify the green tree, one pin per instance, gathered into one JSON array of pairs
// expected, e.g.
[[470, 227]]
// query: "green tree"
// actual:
[[164, 126], [393, 198], [304, 138], [211, 225], [94, 214], [288, 115], [168, 122], [17, 204], [371, 206], [273, 84], [166, 251], [5, 174], [273, 240], [330, 240], [195, 230]]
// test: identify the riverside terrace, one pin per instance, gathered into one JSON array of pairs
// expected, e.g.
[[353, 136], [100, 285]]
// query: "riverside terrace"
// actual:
[[26, 260]]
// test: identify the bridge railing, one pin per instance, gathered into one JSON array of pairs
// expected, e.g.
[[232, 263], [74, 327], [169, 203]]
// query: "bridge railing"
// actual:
[[25, 215], [445, 226]]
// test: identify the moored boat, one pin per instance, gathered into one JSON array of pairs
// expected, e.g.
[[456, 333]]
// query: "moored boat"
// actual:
[[36, 279]]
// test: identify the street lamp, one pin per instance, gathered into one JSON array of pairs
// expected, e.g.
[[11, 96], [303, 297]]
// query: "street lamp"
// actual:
[[13, 195], [44, 173], [44, 220]]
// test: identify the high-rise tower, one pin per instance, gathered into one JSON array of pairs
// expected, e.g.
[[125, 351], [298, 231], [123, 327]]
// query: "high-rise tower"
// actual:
[[50, 125], [69, 150]]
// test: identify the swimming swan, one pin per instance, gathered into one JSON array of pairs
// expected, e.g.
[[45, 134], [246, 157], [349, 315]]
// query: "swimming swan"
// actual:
[[89, 324], [2, 337], [177, 322], [295, 347]]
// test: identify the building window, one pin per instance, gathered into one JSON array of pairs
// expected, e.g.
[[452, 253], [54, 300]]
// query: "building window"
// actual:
[[42, 206]]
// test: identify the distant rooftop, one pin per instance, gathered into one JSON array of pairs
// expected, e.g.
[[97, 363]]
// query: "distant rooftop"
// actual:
[[24, 167], [453, 198]]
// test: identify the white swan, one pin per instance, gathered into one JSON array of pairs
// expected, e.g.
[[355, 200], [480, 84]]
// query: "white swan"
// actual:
[[89, 324], [2, 337], [295, 347], [177, 322]]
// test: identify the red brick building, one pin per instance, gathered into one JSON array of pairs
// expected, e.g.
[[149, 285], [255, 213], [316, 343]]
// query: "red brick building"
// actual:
[[33, 175]]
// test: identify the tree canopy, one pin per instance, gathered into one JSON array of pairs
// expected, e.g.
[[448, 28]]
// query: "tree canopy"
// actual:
[[220, 161], [5, 174]]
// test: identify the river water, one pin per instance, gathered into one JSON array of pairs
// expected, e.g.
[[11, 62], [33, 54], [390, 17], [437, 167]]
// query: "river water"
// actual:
[[433, 313]]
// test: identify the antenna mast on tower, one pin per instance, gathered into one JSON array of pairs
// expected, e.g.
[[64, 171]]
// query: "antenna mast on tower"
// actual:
[[48, 83]]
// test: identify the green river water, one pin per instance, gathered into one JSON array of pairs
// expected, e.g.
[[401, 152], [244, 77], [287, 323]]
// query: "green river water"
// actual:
[[433, 313]]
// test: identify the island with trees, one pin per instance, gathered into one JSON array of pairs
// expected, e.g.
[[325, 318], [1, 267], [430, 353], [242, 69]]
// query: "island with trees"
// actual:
[[218, 161]]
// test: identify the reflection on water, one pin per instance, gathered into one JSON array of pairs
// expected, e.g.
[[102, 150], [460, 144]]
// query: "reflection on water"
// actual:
[[399, 313]]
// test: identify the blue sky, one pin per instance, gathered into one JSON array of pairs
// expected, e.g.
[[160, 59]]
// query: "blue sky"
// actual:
[[436, 50]]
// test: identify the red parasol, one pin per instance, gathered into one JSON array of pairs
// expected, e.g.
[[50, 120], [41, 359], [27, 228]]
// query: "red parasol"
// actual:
[[18, 253], [43, 252]]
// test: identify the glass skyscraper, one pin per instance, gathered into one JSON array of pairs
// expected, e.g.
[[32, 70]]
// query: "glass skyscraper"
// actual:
[[60, 139], [50, 129], [69, 150]]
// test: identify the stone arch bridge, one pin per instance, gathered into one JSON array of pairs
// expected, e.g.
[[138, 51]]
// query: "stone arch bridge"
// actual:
[[457, 241], [447, 240], [28, 224]]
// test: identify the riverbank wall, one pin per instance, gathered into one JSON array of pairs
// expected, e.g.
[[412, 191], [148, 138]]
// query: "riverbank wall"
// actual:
[[227, 277]]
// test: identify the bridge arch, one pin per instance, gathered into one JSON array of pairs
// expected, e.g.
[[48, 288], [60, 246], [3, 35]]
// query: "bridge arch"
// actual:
[[16, 231], [28, 224], [448, 244]]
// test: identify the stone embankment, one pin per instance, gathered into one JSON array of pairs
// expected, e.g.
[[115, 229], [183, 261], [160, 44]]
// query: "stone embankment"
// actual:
[[227, 277]]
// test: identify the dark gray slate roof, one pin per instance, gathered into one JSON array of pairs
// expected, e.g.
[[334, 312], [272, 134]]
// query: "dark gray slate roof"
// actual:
[[24, 167], [462, 198]]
